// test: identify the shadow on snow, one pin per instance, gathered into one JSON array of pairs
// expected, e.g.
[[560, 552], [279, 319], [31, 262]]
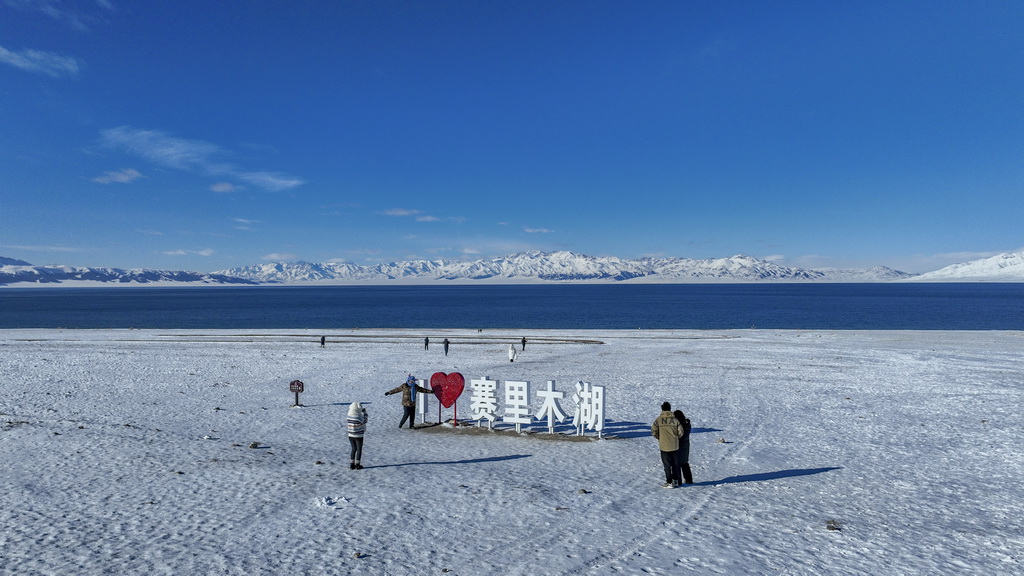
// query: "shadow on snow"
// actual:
[[764, 476], [446, 462], [641, 430]]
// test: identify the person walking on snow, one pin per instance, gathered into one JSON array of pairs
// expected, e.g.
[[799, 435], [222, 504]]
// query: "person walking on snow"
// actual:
[[323, 341], [668, 431], [524, 343], [357, 418], [426, 343], [446, 343], [683, 453], [511, 352], [408, 391]]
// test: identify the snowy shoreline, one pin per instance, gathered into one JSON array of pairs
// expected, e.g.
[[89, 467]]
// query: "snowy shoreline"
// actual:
[[853, 452]]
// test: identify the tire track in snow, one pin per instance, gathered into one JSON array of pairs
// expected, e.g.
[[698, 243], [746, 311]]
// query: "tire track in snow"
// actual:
[[602, 562]]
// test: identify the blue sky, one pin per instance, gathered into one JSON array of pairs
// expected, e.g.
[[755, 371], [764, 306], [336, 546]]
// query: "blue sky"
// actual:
[[203, 135]]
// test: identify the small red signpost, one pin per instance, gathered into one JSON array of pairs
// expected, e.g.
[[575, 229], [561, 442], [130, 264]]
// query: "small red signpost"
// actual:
[[296, 386]]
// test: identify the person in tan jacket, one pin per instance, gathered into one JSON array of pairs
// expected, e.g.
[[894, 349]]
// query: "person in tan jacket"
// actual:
[[668, 431], [408, 392]]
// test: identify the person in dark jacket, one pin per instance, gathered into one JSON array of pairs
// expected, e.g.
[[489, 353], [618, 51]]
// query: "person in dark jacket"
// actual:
[[323, 341], [524, 343], [426, 343], [408, 391], [668, 431], [683, 453], [446, 343]]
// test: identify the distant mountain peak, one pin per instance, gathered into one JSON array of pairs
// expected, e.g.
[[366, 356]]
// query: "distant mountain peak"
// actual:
[[1006, 267], [12, 262]]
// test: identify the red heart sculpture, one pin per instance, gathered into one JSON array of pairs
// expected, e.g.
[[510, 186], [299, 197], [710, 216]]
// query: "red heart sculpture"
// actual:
[[447, 387]]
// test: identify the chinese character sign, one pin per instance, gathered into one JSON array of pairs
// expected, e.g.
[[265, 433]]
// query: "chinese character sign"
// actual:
[[484, 402], [589, 408], [422, 401], [517, 400], [550, 408], [484, 399]]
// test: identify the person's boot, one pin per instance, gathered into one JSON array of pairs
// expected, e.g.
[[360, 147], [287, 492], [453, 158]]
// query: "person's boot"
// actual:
[[352, 465], [358, 466]]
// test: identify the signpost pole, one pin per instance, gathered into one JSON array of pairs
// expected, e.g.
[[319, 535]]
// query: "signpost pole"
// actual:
[[296, 386]]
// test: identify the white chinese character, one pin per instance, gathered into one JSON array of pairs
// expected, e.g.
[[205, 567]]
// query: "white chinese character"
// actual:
[[422, 400], [517, 399], [596, 421], [550, 408], [589, 408], [484, 401]]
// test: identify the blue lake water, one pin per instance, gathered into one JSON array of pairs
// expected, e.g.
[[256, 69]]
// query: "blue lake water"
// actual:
[[571, 306]]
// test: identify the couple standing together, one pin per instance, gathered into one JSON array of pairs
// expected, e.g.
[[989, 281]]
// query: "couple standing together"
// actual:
[[672, 429]]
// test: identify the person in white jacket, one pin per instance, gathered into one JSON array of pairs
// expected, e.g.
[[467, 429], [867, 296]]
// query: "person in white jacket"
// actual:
[[511, 352], [357, 418]]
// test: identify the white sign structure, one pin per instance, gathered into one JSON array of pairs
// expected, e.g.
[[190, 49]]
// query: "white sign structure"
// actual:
[[483, 402], [421, 400], [589, 400], [517, 404], [550, 408], [589, 408]]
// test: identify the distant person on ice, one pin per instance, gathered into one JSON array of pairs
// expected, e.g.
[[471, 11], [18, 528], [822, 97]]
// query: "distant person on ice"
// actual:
[[408, 391], [323, 341], [426, 343], [446, 343], [668, 431], [356, 429], [683, 453], [524, 343], [511, 352]]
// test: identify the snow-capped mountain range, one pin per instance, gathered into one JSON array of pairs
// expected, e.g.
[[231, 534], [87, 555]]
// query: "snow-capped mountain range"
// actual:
[[558, 267], [22, 274], [525, 267]]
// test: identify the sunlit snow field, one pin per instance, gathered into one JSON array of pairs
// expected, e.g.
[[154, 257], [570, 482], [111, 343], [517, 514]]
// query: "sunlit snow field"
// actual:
[[131, 452]]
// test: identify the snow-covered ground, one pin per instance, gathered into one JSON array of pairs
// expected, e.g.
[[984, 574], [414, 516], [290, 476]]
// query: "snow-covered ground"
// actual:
[[129, 452]]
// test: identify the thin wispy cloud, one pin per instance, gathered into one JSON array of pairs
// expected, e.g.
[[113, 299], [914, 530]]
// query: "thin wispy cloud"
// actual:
[[29, 248], [273, 181], [244, 223], [120, 176], [74, 14], [537, 230], [167, 151], [715, 50], [400, 212], [40, 62], [419, 216], [279, 257], [203, 252], [224, 187], [195, 156]]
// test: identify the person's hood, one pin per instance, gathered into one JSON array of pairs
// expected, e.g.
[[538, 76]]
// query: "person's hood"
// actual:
[[355, 408]]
